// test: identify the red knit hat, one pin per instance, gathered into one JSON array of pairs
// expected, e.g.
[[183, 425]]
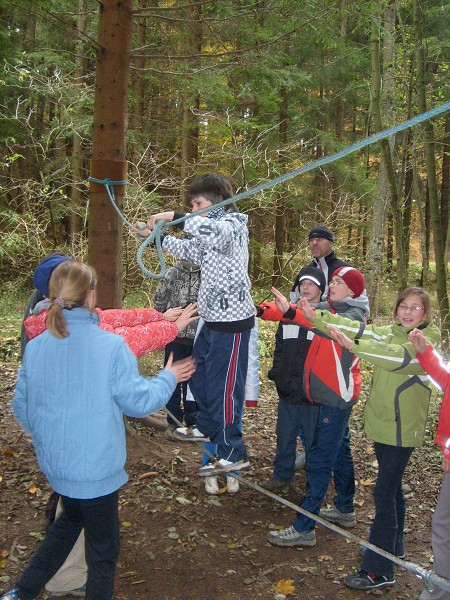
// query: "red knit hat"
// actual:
[[353, 278]]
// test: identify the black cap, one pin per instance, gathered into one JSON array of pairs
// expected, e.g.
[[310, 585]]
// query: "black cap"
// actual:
[[320, 231], [313, 274]]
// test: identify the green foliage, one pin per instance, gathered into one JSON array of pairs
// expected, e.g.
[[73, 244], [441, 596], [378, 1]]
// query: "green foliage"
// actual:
[[13, 301]]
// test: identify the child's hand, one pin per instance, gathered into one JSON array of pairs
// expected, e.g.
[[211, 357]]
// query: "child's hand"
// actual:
[[188, 315], [182, 369], [340, 337], [162, 216], [280, 301], [307, 311], [172, 314], [417, 339], [140, 229]]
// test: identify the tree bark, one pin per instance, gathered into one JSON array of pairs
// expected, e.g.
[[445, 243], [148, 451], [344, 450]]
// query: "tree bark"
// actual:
[[108, 147], [75, 220], [428, 133], [445, 188], [278, 250], [386, 192]]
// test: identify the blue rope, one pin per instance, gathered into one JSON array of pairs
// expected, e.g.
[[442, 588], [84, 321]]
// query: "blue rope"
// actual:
[[109, 185], [161, 226]]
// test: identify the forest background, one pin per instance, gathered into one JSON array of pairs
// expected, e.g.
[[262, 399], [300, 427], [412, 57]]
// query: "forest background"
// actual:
[[159, 91]]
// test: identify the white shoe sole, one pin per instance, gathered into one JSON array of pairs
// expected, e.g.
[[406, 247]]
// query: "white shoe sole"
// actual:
[[218, 469]]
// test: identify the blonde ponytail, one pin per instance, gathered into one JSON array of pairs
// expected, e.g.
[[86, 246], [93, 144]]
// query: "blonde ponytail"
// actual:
[[69, 285]]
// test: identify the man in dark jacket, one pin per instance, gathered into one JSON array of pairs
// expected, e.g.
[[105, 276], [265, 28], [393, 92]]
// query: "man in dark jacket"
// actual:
[[321, 240]]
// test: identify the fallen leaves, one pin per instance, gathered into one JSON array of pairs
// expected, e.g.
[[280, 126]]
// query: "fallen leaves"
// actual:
[[284, 586], [7, 451], [148, 475]]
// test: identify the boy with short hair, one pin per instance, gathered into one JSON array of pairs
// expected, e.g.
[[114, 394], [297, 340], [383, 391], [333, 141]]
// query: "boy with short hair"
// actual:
[[219, 245]]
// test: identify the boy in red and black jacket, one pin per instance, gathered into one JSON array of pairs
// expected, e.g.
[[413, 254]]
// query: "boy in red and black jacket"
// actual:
[[331, 383]]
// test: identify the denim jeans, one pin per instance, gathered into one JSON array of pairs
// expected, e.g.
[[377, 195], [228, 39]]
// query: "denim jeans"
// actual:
[[328, 454], [288, 425], [390, 507], [181, 409], [100, 519]]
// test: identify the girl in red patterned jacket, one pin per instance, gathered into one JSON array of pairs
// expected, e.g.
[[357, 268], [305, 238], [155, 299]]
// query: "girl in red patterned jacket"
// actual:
[[433, 364], [144, 329]]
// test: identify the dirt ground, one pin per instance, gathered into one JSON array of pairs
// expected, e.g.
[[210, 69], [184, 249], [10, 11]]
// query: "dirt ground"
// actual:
[[178, 542]]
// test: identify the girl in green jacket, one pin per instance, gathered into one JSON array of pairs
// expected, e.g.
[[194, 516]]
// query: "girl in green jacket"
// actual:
[[394, 417]]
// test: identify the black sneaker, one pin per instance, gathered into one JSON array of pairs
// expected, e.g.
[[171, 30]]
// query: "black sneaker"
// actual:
[[367, 581], [275, 485]]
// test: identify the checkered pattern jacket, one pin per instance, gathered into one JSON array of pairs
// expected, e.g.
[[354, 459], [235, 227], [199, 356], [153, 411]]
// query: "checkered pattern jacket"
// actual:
[[219, 245]]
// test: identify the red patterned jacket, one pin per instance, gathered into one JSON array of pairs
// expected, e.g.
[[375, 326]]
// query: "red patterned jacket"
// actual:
[[331, 374], [144, 329], [439, 371]]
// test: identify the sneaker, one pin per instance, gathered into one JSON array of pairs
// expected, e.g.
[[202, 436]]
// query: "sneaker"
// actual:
[[221, 466], [300, 460], [399, 552], [11, 595], [211, 485], [80, 592], [334, 515], [189, 434], [232, 485], [275, 485], [367, 581], [292, 537], [169, 434]]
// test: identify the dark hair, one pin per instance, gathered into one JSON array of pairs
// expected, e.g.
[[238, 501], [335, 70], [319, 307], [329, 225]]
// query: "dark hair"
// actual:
[[416, 291], [69, 285], [212, 187]]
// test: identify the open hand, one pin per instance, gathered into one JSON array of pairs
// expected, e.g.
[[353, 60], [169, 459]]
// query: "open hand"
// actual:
[[182, 369], [172, 314], [340, 337], [188, 315], [307, 311], [280, 301]]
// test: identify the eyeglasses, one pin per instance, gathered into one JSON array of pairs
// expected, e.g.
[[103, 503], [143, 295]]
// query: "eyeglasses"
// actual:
[[412, 308], [337, 282]]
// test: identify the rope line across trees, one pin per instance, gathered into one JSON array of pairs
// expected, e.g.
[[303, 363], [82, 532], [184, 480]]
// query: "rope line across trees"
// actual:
[[161, 226]]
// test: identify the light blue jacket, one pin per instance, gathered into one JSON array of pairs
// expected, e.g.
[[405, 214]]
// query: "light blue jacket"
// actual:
[[71, 395]]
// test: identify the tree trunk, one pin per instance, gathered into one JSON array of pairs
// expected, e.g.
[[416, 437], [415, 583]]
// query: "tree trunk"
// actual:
[[278, 250], [445, 188], [108, 147], [428, 133], [75, 219], [386, 190]]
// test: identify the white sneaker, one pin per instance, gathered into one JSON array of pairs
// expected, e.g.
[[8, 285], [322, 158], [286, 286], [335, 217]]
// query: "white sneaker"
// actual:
[[222, 466], [189, 434], [232, 485], [300, 460], [212, 486]]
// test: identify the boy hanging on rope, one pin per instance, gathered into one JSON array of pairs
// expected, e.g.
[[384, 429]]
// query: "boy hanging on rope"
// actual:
[[219, 245]]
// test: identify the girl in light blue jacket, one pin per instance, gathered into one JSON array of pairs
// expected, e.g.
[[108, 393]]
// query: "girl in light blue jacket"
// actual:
[[75, 384]]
